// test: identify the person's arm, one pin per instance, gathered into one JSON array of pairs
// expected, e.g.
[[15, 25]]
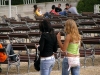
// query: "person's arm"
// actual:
[[41, 43], [66, 42], [75, 10], [53, 11], [55, 46], [61, 9]]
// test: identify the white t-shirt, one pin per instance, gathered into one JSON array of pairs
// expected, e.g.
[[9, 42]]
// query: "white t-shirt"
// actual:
[[40, 12], [73, 10]]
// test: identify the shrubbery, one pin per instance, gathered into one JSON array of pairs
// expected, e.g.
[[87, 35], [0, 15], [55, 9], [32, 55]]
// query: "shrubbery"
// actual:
[[17, 2], [87, 5], [39, 1]]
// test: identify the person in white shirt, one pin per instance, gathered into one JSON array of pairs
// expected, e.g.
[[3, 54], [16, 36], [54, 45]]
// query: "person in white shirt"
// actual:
[[73, 10]]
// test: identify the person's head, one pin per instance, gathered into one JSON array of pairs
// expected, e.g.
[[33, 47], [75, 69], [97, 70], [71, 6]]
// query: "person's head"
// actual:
[[38, 9], [45, 26], [70, 6], [59, 5], [67, 5], [72, 29], [35, 7], [53, 6]]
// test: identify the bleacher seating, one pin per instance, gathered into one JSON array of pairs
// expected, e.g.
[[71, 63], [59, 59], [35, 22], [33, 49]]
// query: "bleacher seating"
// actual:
[[26, 32]]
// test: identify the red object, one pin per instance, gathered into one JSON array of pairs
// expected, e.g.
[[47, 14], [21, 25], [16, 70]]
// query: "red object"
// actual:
[[3, 55]]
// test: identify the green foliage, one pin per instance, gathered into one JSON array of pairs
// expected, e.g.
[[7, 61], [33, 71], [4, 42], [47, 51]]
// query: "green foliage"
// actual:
[[16, 2], [87, 5], [39, 1]]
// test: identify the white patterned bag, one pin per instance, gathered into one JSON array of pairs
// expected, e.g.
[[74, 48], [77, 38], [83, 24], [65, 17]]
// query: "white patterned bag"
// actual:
[[73, 62]]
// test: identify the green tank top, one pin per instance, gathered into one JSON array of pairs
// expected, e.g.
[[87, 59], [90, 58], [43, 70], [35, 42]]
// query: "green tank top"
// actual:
[[73, 48]]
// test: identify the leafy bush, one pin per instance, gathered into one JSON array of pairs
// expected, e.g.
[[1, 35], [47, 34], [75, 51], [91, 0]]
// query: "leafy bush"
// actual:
[[87, 5], [17, 2], [39, 1]]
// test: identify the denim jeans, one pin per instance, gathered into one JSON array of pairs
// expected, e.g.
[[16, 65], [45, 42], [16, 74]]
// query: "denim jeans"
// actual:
[[46, 66], [47, 15], [10, 51], [63, 13], [65, 66]]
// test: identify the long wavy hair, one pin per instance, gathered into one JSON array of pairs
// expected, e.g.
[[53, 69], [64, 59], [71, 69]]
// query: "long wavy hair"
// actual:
[[71, 28]]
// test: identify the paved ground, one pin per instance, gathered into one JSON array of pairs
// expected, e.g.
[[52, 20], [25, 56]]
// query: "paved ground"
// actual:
[[89, 70]]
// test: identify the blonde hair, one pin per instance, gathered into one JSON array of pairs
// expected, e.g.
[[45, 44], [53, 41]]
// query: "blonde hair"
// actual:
[[71, 28]]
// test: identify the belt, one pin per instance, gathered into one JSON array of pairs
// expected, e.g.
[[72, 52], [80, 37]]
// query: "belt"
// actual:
[[47, 58]]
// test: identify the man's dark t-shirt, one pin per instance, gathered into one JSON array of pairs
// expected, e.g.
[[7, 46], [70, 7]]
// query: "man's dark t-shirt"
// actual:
[[58, 9]]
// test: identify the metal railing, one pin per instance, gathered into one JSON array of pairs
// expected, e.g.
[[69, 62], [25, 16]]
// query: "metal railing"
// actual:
[[60, 0], [29, 1], [65, 0], [2, 2]]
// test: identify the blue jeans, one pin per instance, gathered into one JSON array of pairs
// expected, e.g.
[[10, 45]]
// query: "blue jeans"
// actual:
[[46, 65], [65, 66], [10, 51], [47, 15], [63, 13]]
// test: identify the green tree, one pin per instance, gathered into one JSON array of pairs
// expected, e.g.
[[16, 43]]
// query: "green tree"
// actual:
[[87, 5], [16, 2], [39, 1]]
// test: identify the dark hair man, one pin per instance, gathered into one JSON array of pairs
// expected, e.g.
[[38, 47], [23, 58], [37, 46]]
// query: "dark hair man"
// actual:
[[58, 9], [66, 6]]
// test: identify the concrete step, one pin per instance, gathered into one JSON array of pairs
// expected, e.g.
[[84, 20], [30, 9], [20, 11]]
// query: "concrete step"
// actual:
[[27, 10]]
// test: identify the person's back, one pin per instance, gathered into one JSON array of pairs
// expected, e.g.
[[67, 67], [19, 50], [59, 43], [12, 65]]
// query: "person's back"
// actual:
[[47, 47], [50, 42], [73, 48], [53, 10], [37, 11], [73, 10], [70, 47], [58, 9]]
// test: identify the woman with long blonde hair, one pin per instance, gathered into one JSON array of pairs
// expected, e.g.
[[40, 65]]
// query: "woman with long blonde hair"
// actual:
[[70, 47]]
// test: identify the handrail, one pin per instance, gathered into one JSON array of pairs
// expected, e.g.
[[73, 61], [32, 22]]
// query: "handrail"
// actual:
[[15, 9], [60, 0], [64, 0], [2, 2], [29, 1]]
